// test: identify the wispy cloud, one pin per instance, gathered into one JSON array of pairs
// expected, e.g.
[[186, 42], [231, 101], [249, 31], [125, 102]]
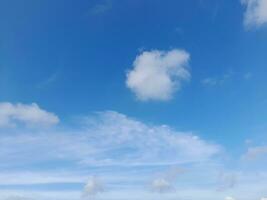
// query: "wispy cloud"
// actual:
[[217, 81], [126, 153]]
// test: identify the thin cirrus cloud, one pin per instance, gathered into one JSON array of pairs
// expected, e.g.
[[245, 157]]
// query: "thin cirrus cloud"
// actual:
[[32, 114], [137, 144], [255, 14], [157, 75]]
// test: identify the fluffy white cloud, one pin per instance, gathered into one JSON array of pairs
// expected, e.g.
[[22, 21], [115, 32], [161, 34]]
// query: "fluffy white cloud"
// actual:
[[93, 187], [156, 75], [31, 115], [256, 12]]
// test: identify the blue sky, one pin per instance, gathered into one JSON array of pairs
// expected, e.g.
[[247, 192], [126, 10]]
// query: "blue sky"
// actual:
[[143, 99]]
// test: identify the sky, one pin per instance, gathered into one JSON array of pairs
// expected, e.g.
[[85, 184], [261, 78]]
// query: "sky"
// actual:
[[133, 100]]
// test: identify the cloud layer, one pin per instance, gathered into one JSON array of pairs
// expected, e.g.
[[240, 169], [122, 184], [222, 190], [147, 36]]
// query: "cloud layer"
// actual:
[[156, 75], [126, 153]]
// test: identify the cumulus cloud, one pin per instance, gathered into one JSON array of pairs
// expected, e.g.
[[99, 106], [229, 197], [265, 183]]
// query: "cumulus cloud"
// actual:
[[32, 114], [255, 14], [93, 187], [156, 75]]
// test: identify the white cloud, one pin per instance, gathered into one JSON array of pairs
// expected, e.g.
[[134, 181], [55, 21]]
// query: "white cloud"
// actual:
[[210, 81], [125, 151], [256, 12], [263, 198], [215, 81], [139, 143], [31, 115], [156, 75], [93, 187]]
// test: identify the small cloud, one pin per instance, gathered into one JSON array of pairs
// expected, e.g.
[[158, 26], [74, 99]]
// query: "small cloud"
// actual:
[[31, 115], [214, 81], [255, 14], [101, 8], [157, 75], [209, 81], [93, 187]]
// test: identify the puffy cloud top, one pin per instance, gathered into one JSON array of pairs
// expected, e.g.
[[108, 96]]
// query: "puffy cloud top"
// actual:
[[156, 75]]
